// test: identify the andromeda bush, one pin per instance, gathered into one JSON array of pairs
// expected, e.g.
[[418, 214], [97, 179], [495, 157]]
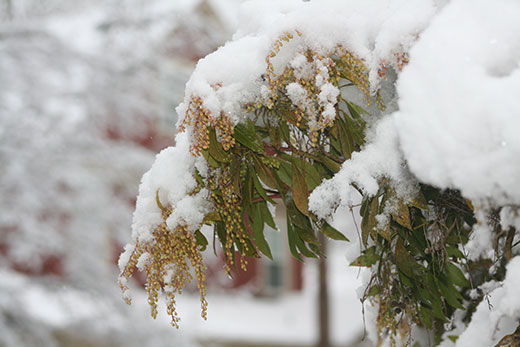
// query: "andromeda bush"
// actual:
[[297, 115]]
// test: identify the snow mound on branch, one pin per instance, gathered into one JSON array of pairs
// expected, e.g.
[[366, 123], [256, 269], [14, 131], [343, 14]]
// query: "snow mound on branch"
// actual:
[[373, 30], [497, 318], [458, 99], [171, 176], [381, 157]]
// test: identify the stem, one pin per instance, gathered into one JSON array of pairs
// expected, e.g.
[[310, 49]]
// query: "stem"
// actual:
[[273, 196], [509, 242]]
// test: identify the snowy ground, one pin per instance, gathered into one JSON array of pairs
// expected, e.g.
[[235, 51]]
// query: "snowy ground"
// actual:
[[75, 316], [288, 320]]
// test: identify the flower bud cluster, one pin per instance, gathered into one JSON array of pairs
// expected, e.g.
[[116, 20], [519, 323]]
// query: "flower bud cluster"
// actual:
[[228, 205], [201, 119], [167, 261]]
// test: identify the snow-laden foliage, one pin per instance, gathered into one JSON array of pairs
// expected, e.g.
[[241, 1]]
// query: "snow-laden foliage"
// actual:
[[307, 86], [84, 87]]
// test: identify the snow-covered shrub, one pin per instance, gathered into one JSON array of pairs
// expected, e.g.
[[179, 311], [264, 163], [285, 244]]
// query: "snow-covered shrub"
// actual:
[[321, 104]]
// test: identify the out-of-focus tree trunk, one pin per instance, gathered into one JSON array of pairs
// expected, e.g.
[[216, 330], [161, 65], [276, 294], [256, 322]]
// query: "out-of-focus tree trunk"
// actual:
[[9, 9], [323, 296]]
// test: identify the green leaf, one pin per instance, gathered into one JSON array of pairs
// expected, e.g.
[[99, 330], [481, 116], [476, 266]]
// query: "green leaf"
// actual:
[[449, 295], [259, 188], [246, 135], [369, 221], [437, 309], [215, 148], [291, 236], [356, 130], [275, 136], [355, 110], [405, 262], [330, 164], [346, 140], [425, 315], [284, 131], [235, 178], [307, 235], [312, 176], [285, 173], [333, 233], [335, 143], [300, 191], [316, 249], [198, 177], [453, 251], [211, 161], [402, 216], [420, 201], [453, 338], [301, 245], [386, 232], [250, 251], [265, 173], [201, 240], [221, 233], [211, 218], [247, 193], [296, 217], [456, 275], [266, 215], [257, 224], [373, 291], [435, 297], [367, 259]]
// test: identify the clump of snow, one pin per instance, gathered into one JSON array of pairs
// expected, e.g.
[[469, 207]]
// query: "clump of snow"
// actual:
[[297, 94], [480, 244], [172, 176], [327, 92], [484, 289], [125, 256], [509, 217], [379, 158], [372, 30], [302, 68], [190, 211], [491, 321], [458, 99], [143, 260]]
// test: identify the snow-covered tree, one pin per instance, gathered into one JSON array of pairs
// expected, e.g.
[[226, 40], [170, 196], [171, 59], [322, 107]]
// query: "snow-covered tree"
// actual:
[[85, 85], [407, 109]]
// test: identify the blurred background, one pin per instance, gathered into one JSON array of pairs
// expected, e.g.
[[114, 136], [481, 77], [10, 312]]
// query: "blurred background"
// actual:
[[87, 96]]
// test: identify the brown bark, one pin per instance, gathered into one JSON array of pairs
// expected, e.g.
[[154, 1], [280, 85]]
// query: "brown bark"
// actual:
[[323, 297]]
